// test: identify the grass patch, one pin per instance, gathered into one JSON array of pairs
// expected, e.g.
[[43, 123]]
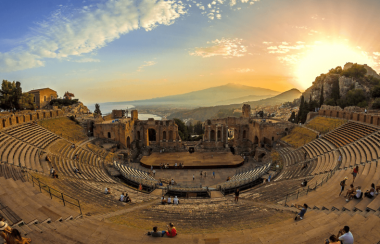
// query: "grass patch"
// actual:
[[325, 125], [66, 128], [299, 136]]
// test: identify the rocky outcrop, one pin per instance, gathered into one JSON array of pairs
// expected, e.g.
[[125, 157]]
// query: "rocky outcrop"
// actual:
[[370, 71], [77, 108]]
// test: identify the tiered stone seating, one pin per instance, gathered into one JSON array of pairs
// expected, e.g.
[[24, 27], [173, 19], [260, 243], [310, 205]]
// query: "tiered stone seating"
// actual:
[[245, 177], [32, 134], [349, 133], [135, 175]]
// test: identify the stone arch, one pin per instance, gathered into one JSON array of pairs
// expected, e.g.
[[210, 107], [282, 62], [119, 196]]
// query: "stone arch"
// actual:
[[219, 135], [371, 120], [244, 134], [128, 142], [10, 121], [30, 117], [17, 120], [51, 114], [57, 113], [138, 135], [3, 123], [23, 118], [212, 135], [170, 135], [151, 134], [286, 129], [330, 113], [109, 134], [164, 135], [38, 116], [337, 114], [256, 141]]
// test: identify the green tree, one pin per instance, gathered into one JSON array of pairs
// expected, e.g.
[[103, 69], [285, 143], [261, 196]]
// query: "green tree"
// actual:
[[182, 130], [292, 118], [354, 97], [7, 95], [356, 71], [337, 71], [375, 91], [321, 98], [198, 128], [97, 109], [376, 103], [26, 101], [335, 91], [17, 96]]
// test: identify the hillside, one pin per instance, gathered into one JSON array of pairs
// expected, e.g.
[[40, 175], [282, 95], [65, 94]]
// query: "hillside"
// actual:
[[204, 113], [220, 95]]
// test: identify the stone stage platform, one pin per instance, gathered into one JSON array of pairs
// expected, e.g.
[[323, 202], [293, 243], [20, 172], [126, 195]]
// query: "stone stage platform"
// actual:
[[196, 160]]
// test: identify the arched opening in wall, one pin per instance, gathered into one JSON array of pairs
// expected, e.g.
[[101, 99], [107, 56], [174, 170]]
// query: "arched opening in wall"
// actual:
[[212, 135], [23, 118], [57, 113], [44, 115], [138, 135], [378, 121], [109, 134], [3, 123], [324, 112], [164, 135], [167, 123], [260, 157], [256, 141], [17, 120], [219, 135], [244, 134], [230, 134], [232, 150], [38, 116], [128, 142], [337, 114], [30, 117], [51, 114], [272, 138], [286, 129], [152, 134], [10, 121], [170, 136]]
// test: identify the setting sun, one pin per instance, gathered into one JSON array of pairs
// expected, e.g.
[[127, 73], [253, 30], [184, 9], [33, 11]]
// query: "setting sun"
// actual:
[[323, 57]]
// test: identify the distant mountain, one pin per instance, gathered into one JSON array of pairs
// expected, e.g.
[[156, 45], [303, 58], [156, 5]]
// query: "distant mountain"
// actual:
[[204, 113], [220, 95]]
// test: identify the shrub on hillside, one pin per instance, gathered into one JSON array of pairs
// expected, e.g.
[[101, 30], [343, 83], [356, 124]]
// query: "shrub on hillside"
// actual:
[[376, 103], [63, 102]]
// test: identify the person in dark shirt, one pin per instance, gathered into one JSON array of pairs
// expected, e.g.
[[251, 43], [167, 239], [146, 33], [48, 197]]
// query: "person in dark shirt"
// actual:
[[237, 195], [303, 211]]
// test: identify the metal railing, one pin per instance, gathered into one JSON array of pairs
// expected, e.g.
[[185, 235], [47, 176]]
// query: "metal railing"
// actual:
[[299, 193], [54, 193]]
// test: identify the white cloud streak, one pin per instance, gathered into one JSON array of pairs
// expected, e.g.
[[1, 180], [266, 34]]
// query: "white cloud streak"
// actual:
[[146, 64], [227, 48], [91, 28]]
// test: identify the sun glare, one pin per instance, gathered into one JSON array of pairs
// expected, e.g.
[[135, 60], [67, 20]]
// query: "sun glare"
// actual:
[[322, 57]]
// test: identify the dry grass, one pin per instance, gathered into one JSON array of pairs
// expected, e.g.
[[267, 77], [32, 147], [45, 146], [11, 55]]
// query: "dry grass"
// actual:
[[299, 136], [66, 128], [325, 125]]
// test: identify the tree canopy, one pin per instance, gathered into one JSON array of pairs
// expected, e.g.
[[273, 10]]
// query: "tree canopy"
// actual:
[[12, 98]]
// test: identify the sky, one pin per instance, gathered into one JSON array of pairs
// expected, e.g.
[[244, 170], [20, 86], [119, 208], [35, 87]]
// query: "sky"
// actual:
[[123, 50]]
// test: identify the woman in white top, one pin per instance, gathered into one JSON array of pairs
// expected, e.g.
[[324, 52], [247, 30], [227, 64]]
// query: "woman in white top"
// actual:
[[370, 193], [175, 200], [121, 197]]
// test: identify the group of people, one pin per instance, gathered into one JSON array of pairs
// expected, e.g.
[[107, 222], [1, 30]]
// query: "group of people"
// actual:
[[169, 200], [77, 170], [344, 237], [124, 198], [356, 193], [11, 235], [170, 232]]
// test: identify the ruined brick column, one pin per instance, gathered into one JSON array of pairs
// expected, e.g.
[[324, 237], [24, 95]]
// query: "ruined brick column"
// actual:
[[221, 137], [209, 133]]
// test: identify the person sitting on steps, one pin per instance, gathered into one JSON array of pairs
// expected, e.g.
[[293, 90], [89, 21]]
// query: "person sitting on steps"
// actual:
[[171, 232], [175, 200], [127, 198], [357, 195], [303, 210], [304, 183], [332, 240], [163, 200], [371, 192], [156, 233], [350, 191], [346, 236]]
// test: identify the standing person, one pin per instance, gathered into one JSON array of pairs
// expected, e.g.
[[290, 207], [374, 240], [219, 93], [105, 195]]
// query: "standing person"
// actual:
[[342, 185], [237, 193], [151, 168], [205, 174], [303, 210], [346, 236], [213, 174], [193, 177], [52, 171], [201, 174], [154, 172], [140, 187], [355, 173]]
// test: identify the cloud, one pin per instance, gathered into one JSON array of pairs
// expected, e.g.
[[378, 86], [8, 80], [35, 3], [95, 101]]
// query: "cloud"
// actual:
[[87, 60], [285, 47], [244, 70], [224, 47], [267, 43], [146, 64], [93, 27], [377, 53]]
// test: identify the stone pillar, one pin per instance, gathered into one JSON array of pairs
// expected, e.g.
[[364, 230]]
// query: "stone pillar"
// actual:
[[226, 135], [209, 133], [221, 136], [216, 134]]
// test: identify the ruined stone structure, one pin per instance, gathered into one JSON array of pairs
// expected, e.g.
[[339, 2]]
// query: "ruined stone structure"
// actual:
[[132, 132], [118, 114], [246, 111], [11, 119], [43, 96], [351, 113]]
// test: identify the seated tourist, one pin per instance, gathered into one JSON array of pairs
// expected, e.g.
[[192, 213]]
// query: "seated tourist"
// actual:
[[175, 200], [356, 195], [121, 197], [304, 183], [127, 198], [167, 166], [346, 236], [107, 191], [156, 233], [169, 200], [350, 191], [303, 210], [163, 200], [52, 171], [371, 192], [5, 230], [332, 240], [55, 175], [172, 232]]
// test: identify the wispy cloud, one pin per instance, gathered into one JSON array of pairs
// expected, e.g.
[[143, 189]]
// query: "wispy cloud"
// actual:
[[377, 53], [244, 70], [87, 60], [93, 27], [285, 47], [227, 48], [146, 64]]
